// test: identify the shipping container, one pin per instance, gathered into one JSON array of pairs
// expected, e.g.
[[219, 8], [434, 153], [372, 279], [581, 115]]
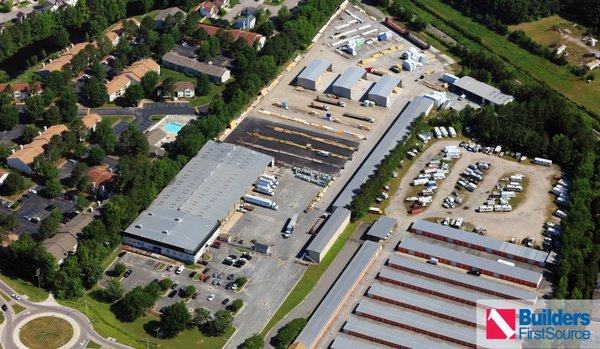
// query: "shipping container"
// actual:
[[257, 200], [542, 161]]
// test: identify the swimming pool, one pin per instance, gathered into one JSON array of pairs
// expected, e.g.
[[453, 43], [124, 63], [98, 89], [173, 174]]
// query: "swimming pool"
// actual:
[[172, 127]]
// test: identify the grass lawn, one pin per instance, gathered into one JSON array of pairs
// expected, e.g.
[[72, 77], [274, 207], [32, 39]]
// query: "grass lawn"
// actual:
[[542, 70], [6, 297], [111, 257], [18, 308], [1, 317], [46, 332], [13, 198], [309, 279], [134, 334], [213, 91], [168, 73], [23, 4], [92, 344], [34, 293], [114, 119]]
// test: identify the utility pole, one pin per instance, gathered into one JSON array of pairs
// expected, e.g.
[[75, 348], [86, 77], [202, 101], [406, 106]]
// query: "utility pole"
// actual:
[[38, 271], [157, 329]]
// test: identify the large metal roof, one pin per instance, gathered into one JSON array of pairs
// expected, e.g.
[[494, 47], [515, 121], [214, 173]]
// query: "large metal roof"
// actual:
[[349, 78], [438, 271], [481, 241], [418, 320], [473, 261], [392, 137], [428, 303], [401, 337], [465, 294], [314, 70], [382, 227], [329, 229], [189, 209], [345, 342], [384, 86], [337, 295], [481, 89]]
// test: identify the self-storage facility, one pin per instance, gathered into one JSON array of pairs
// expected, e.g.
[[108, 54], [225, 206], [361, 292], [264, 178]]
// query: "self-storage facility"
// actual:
[[329, 232], [311, 75]]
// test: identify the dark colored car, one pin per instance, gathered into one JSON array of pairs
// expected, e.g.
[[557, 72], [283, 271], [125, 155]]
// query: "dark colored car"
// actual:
[[227, 262], [247, 256], [50, 207], [206, 271], [225, 301], [474, 272], [240, 263], [174, 286], [4, 307], [127, 273], [122, 254], [230, 277], [192, 274], [172, 294], [195, 295]]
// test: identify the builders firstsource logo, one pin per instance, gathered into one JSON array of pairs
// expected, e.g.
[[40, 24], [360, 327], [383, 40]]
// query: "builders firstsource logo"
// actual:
[[541, 324]]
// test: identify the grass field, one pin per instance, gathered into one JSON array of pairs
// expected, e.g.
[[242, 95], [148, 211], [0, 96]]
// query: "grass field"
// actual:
[[18, 308], [22, 287], [309, 279], [134, 334], [542, 70], [114, 119], [46, 332], [545, 32], [93, 345]]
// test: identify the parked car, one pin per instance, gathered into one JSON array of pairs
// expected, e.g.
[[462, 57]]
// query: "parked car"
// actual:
[[170, 268], [206, 271], [192, 274], [230, 277], [50, 207], [211, 297], [4, 307], [173, 293], [225, 301], [180, 269], [127, 273], [174, 286], [15, 296]]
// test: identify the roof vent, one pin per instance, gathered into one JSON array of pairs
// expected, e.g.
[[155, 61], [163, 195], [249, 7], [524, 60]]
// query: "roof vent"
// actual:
[[139, 226], [178, 219], [166, 232], [150, 214]]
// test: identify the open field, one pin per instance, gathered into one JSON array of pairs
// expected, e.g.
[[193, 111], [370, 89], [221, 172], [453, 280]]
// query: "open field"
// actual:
[[542, 70], [46, 332], [33, 293]]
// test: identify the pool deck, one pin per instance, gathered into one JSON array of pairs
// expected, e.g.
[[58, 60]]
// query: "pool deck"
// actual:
[[162, 125]]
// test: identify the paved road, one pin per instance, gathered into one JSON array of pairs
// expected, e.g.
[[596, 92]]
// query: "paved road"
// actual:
[[86, 331]]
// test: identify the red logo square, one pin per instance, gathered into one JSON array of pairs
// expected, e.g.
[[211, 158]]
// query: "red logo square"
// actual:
[[500, 323]]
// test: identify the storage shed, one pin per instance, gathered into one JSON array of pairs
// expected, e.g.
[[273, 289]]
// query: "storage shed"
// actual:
[[330, 231], [345, 83], [381, 229], [312, 73], [380, 93]]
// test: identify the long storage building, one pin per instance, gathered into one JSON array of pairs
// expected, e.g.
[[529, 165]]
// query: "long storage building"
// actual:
[[481, 92], [337, 295], [381, 229], [186, 216], [312, 73], [345, 84], [479, 243], [329, 232], [470, 262], [395, 134], [381, 92]]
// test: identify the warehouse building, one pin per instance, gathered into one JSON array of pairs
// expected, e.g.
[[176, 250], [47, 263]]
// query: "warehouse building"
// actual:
[[409, 299], [345, 85], [419, 323], [418, 106], [394, 337], [481, 92], [312, 73], [345, 342], [333, 227], [186, 216], [337, 296], [467, 261], [381, 92], [480, 243], [435, 272], [381, 229]]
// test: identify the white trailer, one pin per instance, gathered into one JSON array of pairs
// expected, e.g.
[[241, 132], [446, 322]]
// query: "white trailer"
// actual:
[[560, 214], [439, 176], [425, 200], [452, 131], [485, 208], [516, 188], [269, 178], [437, 132], [262, 182], [419, 181], [257, 200], [264, 190], [502, 208], [471, 187], [542, 161], [444, 131]]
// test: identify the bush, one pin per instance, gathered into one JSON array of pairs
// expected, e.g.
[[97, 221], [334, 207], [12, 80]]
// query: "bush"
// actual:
[[241, 281], [165, 284], [235, 306], [254, 342], [188, 291], [118, 269], [287, 333]]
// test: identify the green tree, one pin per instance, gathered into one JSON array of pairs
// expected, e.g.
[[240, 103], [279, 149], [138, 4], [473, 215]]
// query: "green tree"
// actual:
[[220, 323], [113, 291], [52, 187], [254, 342], [235, 306], [9, 117], [165, 284], [118, 269], [79, 177], [82, 202], [149, 82], [168, 87], [4, 77], [189, 290], [287, 333], [134, 304], [201, 317], [203, 85], [95, 92], [133, 95], [50, 224], [174, 319], [35, 107], [104, 136], [133, 142], [96, 156], [29, 133], [13, 183]]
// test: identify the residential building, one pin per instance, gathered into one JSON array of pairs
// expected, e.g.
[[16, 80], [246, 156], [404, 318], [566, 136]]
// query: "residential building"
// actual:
[[190, 66], [61, 245], [21, 91], [102, 181], [162, 15], [187, 215], [22, 159], [208, 9], [245, 22], [133, 75], [3, 174], [184, 89], [252, 39], [91, 120], [62, 60], [117, 86]]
